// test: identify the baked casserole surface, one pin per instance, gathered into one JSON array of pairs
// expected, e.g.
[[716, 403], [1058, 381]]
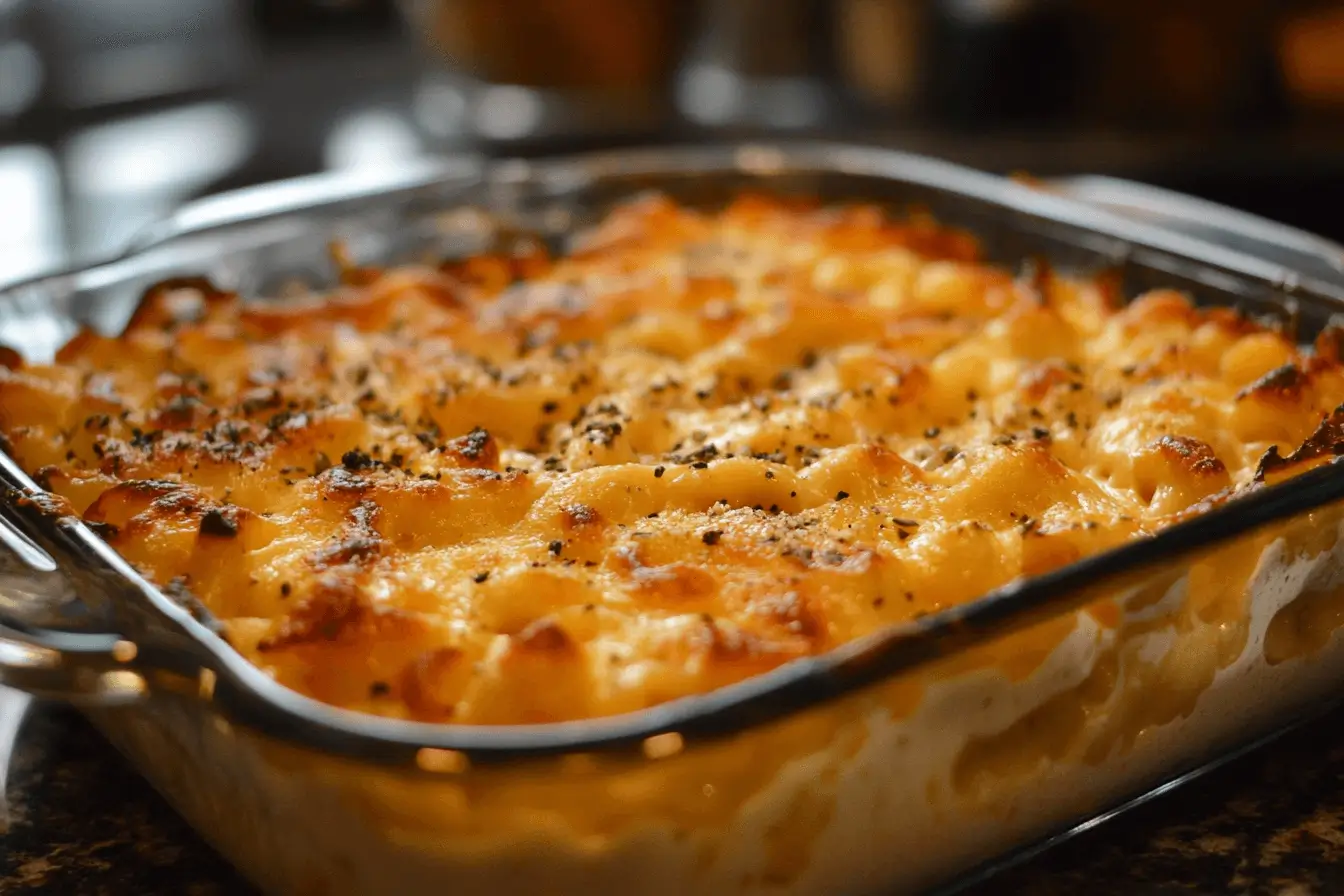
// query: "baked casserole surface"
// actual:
[[521, 488]]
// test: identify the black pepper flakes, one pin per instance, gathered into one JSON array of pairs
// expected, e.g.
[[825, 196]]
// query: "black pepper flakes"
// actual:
[[355, 459], [216, 523], [556, 547], [473, 445], [841, 495], [480, 577], [658, 472], [711, 537]]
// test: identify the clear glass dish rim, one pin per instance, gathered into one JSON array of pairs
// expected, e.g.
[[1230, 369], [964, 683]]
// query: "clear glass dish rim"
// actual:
[[243, 693]]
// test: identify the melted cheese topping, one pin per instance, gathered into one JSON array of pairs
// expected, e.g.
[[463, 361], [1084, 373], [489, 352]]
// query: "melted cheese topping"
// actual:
[[524, 489]]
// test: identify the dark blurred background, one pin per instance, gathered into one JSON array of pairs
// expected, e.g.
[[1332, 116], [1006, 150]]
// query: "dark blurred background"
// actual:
[[114, 111]]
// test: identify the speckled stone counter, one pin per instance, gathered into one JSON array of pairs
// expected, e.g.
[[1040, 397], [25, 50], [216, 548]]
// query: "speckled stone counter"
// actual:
[[1270, 823]]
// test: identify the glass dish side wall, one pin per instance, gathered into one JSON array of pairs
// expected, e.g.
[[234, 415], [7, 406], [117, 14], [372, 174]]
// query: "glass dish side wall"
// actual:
[[895, 788]]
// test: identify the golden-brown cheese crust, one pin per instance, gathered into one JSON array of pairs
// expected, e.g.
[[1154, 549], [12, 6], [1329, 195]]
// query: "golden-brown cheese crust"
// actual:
[[523, 489]]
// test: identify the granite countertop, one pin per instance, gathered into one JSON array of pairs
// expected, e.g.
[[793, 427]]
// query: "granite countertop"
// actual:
[[1269, 823]]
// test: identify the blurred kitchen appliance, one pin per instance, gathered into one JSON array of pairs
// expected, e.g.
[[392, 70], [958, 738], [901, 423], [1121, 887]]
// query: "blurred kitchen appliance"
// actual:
[[880, 48], [760, 65], [307, 18], [1310, 50], [1189, 64], [512, 73], [105, 52]]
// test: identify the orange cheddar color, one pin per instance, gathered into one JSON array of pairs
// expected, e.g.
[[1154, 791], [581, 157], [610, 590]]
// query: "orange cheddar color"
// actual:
[[519, 489]]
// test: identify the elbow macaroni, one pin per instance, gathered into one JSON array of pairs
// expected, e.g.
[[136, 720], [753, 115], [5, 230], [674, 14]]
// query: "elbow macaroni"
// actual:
[[519, 488]]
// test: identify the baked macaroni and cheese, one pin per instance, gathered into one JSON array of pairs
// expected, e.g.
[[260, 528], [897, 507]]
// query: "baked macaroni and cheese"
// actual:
[[524, 488]]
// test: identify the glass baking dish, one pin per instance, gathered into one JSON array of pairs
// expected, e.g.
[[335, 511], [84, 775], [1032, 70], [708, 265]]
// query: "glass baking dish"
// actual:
[[915, 758]]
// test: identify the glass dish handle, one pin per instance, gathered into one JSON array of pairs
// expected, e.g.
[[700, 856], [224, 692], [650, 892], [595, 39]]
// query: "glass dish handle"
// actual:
[[39, 653], [1296, 250], [45, 663]]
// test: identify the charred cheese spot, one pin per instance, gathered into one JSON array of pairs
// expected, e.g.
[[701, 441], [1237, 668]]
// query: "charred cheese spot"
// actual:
[[667, 584], [1175, 472], [1284, 384], [580, 516], [475, 449], [1192, 455], [1324, 444], [544, 635], [1040, 380], [432, 685], [522, 488], [220, 523]]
